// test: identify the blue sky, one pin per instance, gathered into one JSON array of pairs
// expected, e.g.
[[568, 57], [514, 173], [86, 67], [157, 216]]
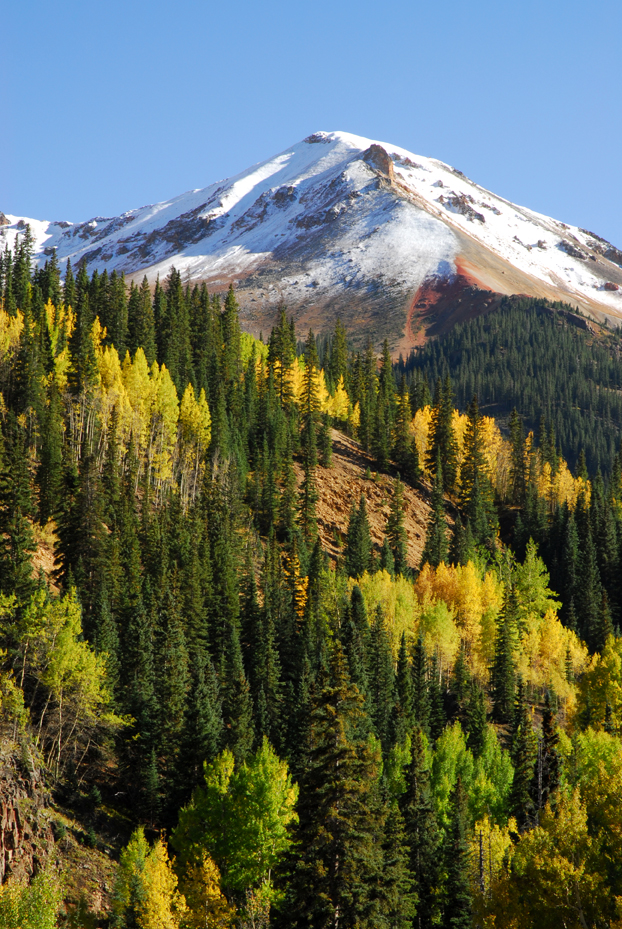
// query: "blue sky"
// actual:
[[110, 105]]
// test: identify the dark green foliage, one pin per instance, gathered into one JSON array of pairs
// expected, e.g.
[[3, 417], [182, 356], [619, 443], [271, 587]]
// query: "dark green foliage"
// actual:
[[421, 833], [357, 553], [524, 754], [335, 857], [530, 357], [457, 903], [503, 671], [396, 533], [436, 547]]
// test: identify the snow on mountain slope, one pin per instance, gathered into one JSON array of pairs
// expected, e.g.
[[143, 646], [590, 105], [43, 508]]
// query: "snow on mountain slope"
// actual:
[[338, 223]]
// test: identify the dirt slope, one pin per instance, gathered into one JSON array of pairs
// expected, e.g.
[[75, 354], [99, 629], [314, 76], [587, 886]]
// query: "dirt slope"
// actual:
[[342, 485]]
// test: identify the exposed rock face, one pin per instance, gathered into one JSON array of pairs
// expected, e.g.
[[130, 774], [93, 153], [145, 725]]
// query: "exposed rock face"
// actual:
[[378, 158], [4, 221], [26, 837]]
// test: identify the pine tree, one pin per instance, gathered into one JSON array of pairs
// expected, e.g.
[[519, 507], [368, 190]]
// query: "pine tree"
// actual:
[[381, 679], [518, 477], [524, 752], [421, 698], [421, 833], [457, 904], [309, 413], [396, 533], [402, 717], [503, 671], [436, 548], [330, 872], [398, 900], [441, 434], [357, 554]]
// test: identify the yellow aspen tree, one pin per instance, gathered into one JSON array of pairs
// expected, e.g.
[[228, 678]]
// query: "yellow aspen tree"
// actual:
[[195, 431], [161, 905], [163, 417], [207, 905]]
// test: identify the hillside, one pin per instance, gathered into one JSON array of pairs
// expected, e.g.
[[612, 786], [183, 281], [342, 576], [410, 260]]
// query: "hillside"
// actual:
[[399, 245]]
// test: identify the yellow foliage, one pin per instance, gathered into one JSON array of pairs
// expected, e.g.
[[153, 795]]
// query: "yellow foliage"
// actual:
[[207, 905], [491, 851], [10, 331], [543, 652], [163, 415], [161, 905], [396, 598], [420, 428], [475, 602], [338, 406], [601, 685], [195, 427], [439, 632]]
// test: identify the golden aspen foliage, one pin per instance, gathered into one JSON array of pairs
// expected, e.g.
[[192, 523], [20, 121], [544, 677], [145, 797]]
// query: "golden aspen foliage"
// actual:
[[338, 406], [557, 877], [207, 906], [439, 632], [396, 598], [161, 905], [163, 417], [491, 853], [195, 432], [601, 685], [10, 332], [420, 429], [475, 602]]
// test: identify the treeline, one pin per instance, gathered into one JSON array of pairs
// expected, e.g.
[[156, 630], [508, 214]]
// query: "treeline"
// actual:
[[367, 743], [526, 355]]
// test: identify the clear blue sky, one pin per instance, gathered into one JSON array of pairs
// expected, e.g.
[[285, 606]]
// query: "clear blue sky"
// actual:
[[110, 105]]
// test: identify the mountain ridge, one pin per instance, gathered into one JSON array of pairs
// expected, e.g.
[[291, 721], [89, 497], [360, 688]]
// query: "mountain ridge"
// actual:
[[339, 224]]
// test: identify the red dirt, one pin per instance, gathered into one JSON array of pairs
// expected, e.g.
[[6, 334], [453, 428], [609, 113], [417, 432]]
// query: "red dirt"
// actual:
[[440, 304]]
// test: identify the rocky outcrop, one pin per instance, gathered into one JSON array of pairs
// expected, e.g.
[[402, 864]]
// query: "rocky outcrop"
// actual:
[[26, 837], [376, 157]]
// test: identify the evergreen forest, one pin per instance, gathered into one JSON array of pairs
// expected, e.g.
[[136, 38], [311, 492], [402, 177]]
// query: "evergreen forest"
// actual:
[[248, 733]]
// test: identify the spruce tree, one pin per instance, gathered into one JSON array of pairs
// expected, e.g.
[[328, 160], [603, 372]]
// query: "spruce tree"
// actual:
[[357, 554], [503, 671], [457, 902], [436, 547], [421, 833], [333, 864], [524, 753], [396, 533]]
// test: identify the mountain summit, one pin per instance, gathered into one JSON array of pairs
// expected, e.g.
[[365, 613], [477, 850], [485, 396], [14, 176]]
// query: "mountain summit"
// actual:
[[401, 246]]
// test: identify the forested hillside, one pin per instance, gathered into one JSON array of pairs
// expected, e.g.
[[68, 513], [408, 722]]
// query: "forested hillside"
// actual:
[[279, 737], [543, 359]]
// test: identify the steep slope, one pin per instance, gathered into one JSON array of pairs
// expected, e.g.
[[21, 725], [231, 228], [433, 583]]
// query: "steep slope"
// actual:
[[397, 244]]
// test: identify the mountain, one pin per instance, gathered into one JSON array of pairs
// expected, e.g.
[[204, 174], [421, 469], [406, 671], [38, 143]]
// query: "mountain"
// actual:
[[399, 245]]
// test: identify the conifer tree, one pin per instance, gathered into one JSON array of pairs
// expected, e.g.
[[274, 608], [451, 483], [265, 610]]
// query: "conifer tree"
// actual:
[[396, 533], [503, 671], [330, 872], [357, 554], [421, 699], [518, 477], [309, 414], [402, 717], [457, 903], [524, 752], [421, 833], [436, 547], [381, 679], [441, 434], [397, 904]]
